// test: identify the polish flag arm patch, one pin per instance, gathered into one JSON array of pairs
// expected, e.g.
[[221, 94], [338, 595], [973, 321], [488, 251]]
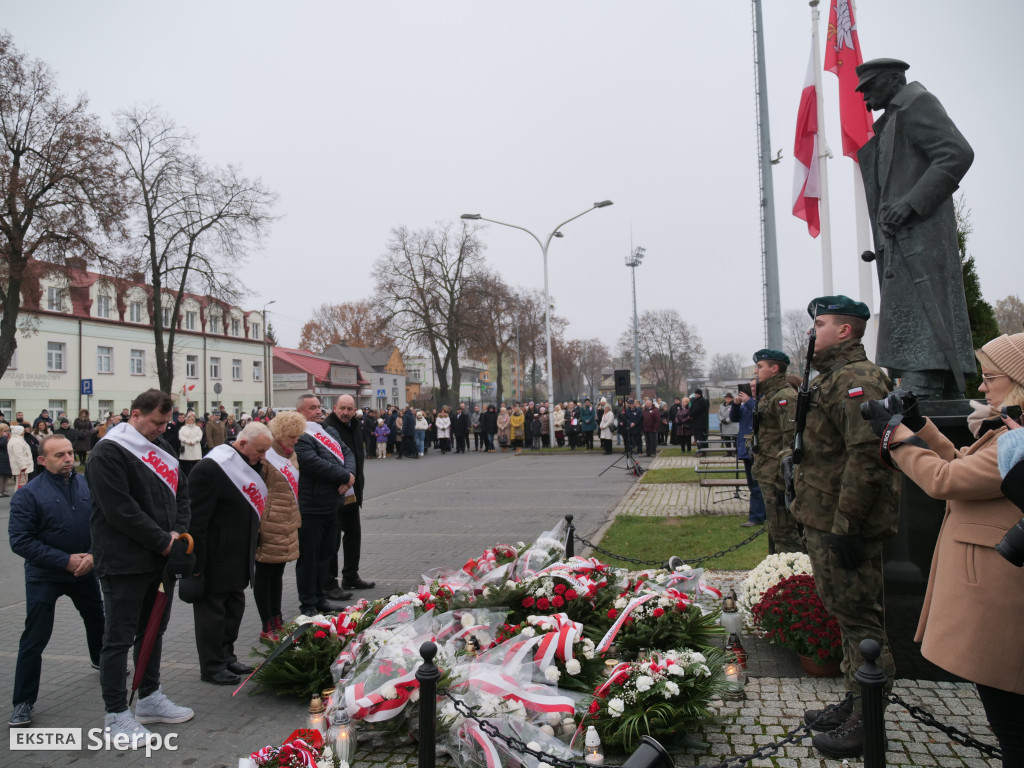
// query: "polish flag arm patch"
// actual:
[[783, 402], [855, 392]]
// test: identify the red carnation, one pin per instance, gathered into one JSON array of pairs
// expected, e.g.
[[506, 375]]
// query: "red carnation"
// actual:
[[594, 707], [319, 634], [658, 612], [559, 589], [543, 604], [612, 613], [558, 601], [428, 606], [527, 602], [570, 594]]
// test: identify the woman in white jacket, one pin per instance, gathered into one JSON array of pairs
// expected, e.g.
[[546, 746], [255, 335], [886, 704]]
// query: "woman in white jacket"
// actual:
[[607, 430], [444, 430], [20, 455], [191, 438]]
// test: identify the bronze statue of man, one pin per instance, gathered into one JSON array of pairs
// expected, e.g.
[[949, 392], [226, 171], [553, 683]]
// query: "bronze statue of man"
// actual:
[[911, 168]]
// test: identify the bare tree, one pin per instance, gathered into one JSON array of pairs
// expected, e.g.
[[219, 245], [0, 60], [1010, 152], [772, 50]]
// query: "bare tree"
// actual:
[[193, 226], [420, 283], [670, 350], [795, 325], [724, 367], [565, 361], [355, 323], [594, 357], [60, 191], [1010, 314]]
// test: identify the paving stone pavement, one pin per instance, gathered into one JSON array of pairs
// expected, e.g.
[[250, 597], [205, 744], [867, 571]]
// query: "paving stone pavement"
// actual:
[[440, 511]]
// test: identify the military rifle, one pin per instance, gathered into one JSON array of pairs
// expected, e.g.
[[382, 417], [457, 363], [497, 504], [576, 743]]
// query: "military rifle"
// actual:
[[803, 395]]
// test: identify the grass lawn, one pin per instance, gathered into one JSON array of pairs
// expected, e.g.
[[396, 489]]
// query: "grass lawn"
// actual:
[[658, 538], [670, 475]]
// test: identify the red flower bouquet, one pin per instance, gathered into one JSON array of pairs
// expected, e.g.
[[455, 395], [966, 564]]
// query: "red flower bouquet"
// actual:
[[792, 615]]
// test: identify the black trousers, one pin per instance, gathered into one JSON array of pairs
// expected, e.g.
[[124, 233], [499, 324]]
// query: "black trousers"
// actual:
[[40, 602], [317, 547], [128, 601], [588, 439], [267, 589], [651, 438], [478, 440], [461, 443], [1005, 712], [701, 438], [218, 615], [349, 542]]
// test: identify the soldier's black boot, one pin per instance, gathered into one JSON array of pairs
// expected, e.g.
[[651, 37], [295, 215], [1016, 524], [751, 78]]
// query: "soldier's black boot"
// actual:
[[845, 741], [831, 721]]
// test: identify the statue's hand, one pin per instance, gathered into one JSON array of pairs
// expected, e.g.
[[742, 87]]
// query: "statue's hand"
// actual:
[[894, 216]]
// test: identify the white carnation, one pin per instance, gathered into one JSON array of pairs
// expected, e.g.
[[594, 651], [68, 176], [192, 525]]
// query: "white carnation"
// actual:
[[467, 620], [528, 632], [572, 666], [414, 695], [616, 707], [644, 683], [677, 670], [552, 674], [389, 692], [533, 745], [548, 730], [671, 689], [620, 603]]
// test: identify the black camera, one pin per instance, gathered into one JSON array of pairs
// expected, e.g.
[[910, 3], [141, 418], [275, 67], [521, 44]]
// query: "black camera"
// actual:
[[896, 402], [1012, 545]]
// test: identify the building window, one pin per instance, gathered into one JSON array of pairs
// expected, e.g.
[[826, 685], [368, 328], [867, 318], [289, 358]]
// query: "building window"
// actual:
[[138, 362], [192, 366], [254, 331], [214, 405], [103, 307], [190, 320], [57, 407], [215, 324], [135, 312], [106, 406], [257, 370], [236, 369], [234, 327], [55, 356], [167, 317], [237, 408], [7, 406], [104, 359], [54, 299], [214, 367]]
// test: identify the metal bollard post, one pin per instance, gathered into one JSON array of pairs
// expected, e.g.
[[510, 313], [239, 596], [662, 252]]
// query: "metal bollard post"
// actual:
[[570, 537], [427, 676], [872, 680]]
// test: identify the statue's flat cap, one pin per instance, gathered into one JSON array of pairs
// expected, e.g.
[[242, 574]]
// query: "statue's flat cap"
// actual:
[[871, 69], [838, 305], [771, 354]]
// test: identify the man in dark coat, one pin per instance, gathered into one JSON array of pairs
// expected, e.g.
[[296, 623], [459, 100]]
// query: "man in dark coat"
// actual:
[[49, 527], [911, 169], [460, 428], [140, 508], [699, 413], [489, 427], [342, 419], [228, 498], [326, 472], [633, 417]]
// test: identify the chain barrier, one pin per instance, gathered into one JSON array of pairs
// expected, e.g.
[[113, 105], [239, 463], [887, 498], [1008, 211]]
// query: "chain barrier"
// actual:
[[958, 736], [518, 745], [661, 563]]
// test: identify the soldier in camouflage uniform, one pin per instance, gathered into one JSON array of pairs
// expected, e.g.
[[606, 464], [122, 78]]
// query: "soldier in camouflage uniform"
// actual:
[[774, 427], [846, 500]]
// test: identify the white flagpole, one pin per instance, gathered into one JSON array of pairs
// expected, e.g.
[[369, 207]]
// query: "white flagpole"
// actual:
[[823, 155]]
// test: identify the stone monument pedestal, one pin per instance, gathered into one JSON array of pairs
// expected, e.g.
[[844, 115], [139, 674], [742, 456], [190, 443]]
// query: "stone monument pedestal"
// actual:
[[908, 555]]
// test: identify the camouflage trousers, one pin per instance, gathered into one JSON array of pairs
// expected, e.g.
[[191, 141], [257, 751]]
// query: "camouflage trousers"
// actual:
[[855, 599], [782, 526]]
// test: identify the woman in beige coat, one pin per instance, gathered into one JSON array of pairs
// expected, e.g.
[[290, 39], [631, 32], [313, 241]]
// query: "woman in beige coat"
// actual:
[[278, 543], [21, 456], [972, 623]]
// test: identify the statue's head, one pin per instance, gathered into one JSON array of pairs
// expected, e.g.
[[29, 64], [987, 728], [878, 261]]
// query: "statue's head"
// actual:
[[880, 80]]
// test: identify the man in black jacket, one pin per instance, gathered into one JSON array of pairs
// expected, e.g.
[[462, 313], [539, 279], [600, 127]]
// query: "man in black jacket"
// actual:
[[49, 527], [140, 507], [326, 472], [699, 413], [342, 419], [489, 427], [228, 498], [460, 428]]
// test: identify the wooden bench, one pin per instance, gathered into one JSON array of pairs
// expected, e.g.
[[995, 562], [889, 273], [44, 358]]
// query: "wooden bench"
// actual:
[[713, 477]]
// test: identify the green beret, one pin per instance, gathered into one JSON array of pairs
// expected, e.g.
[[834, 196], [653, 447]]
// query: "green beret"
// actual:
[[838, 305], [771, 354], [869, 70]]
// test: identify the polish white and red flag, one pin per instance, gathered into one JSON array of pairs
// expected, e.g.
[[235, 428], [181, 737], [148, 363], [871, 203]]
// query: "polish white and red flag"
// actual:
[[842, 57], [806, 175]]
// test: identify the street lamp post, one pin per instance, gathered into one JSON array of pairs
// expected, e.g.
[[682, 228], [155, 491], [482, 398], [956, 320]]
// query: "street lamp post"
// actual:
[[633, 261], [547, 297], [266, 357]]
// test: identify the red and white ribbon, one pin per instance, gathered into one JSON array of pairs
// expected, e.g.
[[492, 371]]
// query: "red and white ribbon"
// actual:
[[610, 635], [558, 643], [157, 460], [315, 431], [244, 478], [374, 707], [486, 744], [286, 468], [535, 698], [393, 605]]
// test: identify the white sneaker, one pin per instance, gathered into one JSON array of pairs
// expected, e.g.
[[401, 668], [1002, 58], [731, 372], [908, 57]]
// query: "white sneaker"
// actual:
[[125, 722], [157, 708]]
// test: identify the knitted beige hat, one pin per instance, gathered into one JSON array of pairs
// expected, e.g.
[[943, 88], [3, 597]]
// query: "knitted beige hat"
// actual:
[[1006, 355]]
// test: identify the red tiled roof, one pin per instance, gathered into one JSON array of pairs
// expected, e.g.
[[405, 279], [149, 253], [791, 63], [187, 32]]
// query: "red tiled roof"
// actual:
[[306, 362]]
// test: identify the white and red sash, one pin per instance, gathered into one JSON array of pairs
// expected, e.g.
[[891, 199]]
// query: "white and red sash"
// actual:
[[286, 468], [317, 432], [159, 461], [245, 479]]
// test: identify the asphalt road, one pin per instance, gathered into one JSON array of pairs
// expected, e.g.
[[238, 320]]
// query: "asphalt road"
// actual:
[[418, 515]]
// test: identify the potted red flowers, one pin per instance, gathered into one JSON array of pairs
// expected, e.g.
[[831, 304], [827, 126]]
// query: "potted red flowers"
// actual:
[[792, 615]]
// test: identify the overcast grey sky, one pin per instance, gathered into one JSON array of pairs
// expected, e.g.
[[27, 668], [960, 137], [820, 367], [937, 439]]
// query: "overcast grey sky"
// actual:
[[365, 116]]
